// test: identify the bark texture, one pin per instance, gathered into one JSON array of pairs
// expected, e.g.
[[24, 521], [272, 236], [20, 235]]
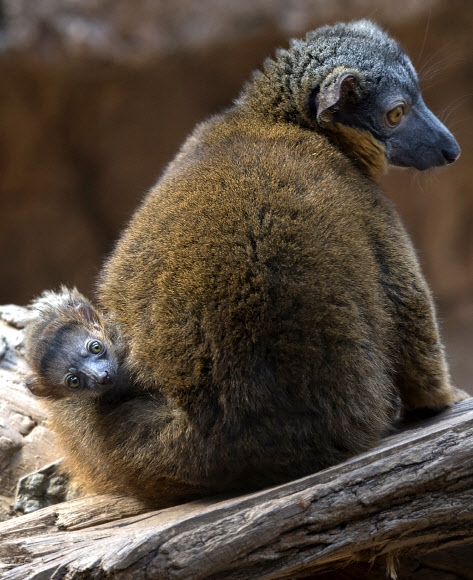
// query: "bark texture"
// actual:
[[26, 444]]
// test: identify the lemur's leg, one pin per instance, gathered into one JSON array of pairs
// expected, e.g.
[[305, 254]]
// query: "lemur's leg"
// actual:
[[421, 369]]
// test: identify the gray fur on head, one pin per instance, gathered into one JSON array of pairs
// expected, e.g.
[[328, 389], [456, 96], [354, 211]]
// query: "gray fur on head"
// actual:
[[50, 301], [50, 306], [284, 87], [54, 308]]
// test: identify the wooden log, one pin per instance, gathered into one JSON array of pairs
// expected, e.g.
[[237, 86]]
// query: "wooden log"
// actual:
[[413, 492], [26, 444]]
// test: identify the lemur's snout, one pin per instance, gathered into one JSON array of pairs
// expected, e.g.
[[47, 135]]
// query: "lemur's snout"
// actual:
[[451, 154], [105, 378]]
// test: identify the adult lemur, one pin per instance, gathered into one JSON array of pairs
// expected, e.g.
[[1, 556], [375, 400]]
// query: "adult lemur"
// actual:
[[270, 299]]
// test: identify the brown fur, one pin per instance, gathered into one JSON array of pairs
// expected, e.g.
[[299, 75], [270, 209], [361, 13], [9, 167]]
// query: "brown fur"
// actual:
[[361, 147], [273, 308]]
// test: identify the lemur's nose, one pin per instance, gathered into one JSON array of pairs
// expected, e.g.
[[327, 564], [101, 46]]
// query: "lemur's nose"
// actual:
[[105, 378], [451, 151], [450, 156]]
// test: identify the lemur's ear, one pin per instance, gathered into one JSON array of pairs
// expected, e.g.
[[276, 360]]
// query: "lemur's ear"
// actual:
[[333, 93], [86, 311], [37, 387]]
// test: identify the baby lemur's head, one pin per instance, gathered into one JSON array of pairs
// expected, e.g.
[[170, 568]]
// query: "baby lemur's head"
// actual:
[[356, 84], [69, 348]]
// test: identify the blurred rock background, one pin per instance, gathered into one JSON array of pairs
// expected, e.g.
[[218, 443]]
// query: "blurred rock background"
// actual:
[[97, 95]]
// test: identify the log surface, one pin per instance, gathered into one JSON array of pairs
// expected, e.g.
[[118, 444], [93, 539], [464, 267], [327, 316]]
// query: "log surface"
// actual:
[[26, 443], [413, 492]]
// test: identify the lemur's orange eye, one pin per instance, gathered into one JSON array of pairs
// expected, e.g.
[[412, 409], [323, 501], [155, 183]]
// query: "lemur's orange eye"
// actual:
[[394, 116]]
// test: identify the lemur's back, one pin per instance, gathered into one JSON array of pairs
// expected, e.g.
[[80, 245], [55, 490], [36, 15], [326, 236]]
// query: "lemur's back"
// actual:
[[256, 286]]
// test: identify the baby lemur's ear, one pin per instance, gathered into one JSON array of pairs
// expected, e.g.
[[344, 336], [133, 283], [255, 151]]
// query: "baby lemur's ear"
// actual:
[[37, 387], [335, 92], [87, 312]]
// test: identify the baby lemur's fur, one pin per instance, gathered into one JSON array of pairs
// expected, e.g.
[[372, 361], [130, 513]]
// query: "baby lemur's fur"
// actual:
[[270, 299]]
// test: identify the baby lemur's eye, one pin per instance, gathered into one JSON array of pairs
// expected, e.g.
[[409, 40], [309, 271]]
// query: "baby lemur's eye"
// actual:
[[95, 347], [73, 382], [394, 116]]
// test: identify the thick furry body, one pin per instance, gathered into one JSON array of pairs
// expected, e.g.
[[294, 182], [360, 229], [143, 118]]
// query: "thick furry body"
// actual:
[[276, 318], [279, 306]]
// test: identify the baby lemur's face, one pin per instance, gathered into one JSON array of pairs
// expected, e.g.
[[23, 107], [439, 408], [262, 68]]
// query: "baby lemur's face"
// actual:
[[69, 350], [79, 360]]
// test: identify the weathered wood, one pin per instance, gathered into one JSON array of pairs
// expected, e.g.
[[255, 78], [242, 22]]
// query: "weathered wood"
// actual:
[[26, 444], [412, 492]]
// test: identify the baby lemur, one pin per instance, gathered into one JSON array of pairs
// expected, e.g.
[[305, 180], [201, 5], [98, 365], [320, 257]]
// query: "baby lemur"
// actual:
[[269, 297], [75, 354]]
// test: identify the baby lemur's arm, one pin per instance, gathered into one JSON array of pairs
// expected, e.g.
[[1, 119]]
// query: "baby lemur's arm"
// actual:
[[121, 445]]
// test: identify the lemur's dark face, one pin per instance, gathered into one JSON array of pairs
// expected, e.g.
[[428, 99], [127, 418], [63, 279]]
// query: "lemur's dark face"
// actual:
[[79, 360], [371, 84], [410, 132]]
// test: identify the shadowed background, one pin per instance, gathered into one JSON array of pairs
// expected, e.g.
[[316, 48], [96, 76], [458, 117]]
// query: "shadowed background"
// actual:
[[96, 96]]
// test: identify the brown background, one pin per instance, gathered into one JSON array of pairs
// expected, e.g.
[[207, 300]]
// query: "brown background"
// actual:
[[97, 95]]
